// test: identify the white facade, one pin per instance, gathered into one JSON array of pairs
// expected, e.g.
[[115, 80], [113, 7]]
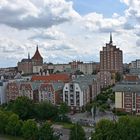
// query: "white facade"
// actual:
[[61, 67], [3, 92], [135, 64], [75, 96], [88, 68]]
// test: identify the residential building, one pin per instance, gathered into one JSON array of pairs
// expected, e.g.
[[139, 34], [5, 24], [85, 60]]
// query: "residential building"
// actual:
[[25, 89], [76, 95], [111, 58], [127, 97], [86, 68], [89, 68], [135, 64], [105, 78], [37, 91], [3, 85], [12, 91], [51, 92], [80, 91]]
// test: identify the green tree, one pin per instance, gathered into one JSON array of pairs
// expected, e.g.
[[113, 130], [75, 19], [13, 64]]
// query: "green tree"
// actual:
[[46, 132], [104, 130], [23, 107], [3, 121], [117, 77], [30, 130], [14, 125], [63, 109], [77, 133], [88, 107], [45, 111], [125, 129]]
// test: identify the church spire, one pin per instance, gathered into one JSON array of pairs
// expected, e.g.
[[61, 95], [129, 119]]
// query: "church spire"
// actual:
[[111, 38], [28, 55]]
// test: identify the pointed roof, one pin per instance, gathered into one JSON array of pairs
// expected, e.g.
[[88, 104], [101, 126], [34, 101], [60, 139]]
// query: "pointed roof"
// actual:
[[110, 38], [37, 55]]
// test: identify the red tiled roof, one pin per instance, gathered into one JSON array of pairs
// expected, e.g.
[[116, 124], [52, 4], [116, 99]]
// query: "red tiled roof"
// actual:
[[131, 78], [52, 78], [37, 55]]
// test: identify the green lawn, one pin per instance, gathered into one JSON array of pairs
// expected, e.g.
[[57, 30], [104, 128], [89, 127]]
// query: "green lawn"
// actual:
[[5, 137], [65, 125]]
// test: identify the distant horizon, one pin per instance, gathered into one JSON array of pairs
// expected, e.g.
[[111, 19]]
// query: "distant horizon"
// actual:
[[67, 30]]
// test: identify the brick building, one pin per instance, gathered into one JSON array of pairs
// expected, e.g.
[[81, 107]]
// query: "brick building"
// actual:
[[31, 65], [127, 97], [111, 58]]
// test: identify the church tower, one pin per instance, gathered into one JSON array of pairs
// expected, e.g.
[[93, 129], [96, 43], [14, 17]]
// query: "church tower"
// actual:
[[37, 59]]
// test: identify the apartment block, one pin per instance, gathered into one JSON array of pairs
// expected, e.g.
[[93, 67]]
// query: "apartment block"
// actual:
[[80, 91], [127, 97]]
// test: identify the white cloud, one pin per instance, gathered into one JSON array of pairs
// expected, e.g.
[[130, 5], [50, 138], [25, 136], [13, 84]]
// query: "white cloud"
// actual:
[[61, 33], [28, 14]]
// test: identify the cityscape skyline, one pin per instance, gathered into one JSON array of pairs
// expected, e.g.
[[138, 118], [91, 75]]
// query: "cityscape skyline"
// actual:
[[67, 30]]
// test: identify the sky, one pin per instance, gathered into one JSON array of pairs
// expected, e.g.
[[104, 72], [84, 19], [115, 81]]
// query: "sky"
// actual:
[[67, 30]]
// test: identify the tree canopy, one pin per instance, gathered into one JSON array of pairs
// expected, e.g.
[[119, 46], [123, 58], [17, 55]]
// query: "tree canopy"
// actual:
[[77, 133]]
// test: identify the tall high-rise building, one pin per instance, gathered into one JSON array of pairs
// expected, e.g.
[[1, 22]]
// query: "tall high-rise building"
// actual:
[[111, 58]]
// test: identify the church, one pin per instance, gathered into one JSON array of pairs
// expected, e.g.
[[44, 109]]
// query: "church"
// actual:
[[31, 65]]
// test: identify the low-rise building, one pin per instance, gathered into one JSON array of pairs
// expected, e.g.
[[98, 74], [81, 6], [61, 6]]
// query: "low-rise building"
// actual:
[[51, 92], [12, 91], [36, 91], [127, 97]]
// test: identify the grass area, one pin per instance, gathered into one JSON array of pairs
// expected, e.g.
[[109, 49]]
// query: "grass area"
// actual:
[[65, 125], [6, 137]]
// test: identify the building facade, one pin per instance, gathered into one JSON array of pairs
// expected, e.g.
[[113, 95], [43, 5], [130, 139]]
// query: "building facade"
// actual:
[[111, 58], [36, 91], [80, 91], [135, 64], [31, 65], [105, 79], [76, 95], [127, 97], [3, 85]]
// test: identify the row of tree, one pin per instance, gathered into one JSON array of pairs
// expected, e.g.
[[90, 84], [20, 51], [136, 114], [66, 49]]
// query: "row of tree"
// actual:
[[126, 128], [102, 101], [27, 109], [11, 124]]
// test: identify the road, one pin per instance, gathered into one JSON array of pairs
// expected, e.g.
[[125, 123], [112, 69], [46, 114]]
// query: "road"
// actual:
[[60, 130], [66, 132], [82, 116], [107, 115]]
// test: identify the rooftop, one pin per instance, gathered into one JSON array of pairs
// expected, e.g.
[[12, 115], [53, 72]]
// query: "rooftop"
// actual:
[[37, 55], [52, 78]]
